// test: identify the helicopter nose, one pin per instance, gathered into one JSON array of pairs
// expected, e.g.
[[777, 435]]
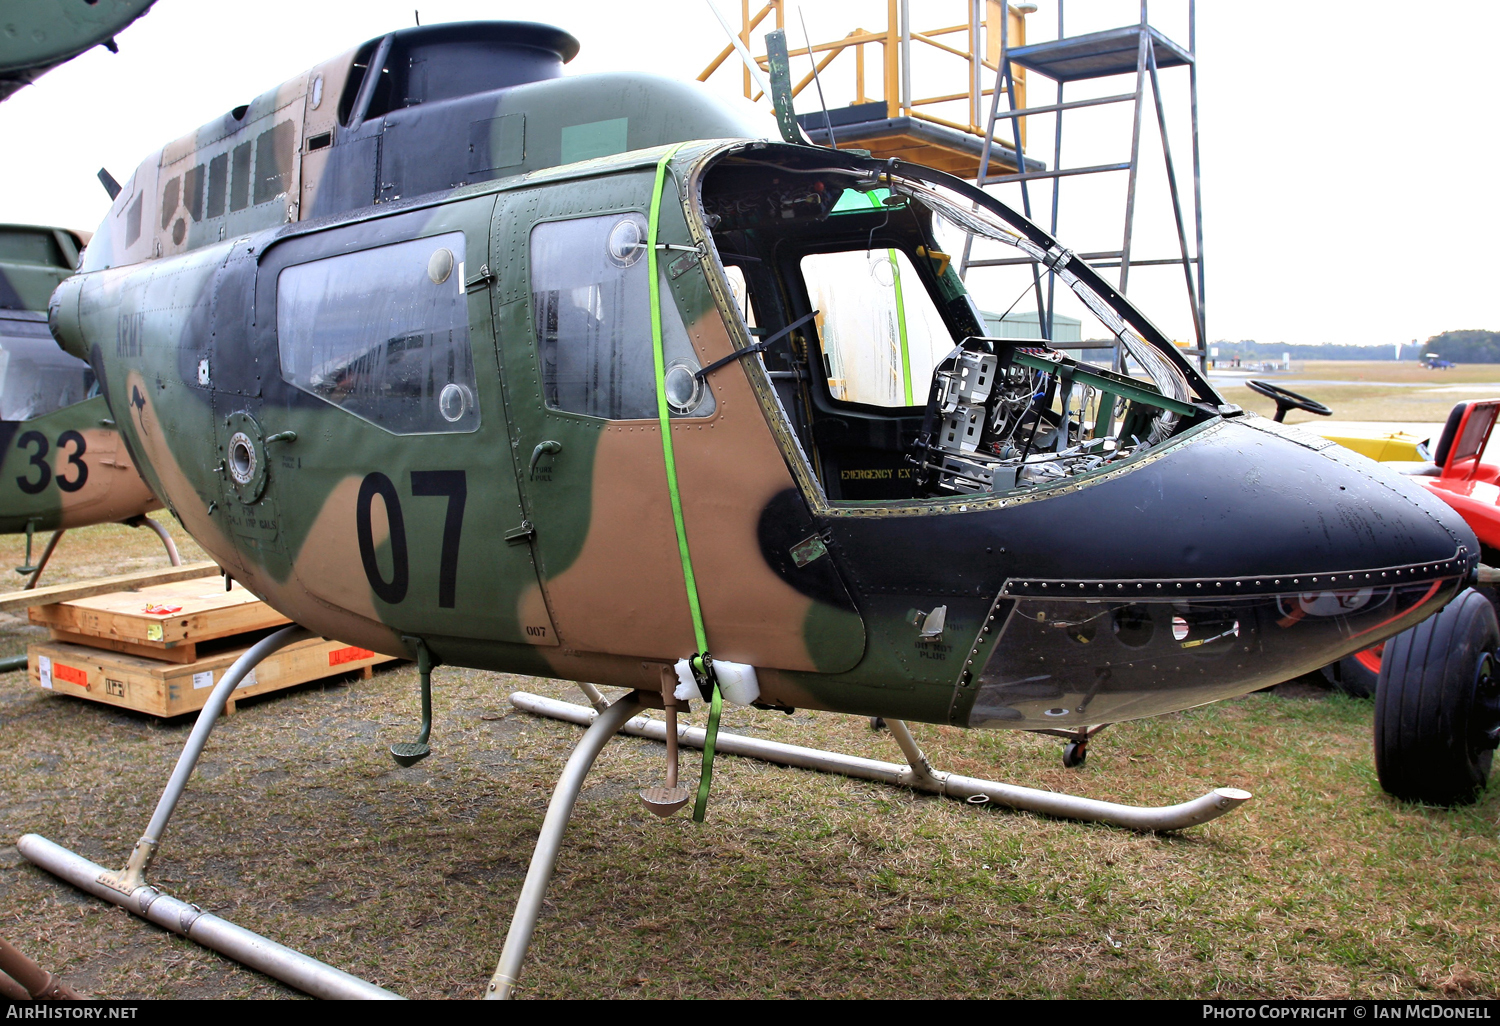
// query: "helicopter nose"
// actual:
[[1251, 499], [1337, 510], [1308, 504], [1243, 555]]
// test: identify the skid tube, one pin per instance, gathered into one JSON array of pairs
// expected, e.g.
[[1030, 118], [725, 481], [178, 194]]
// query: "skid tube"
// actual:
[[291, 967], [128, 888], [917, 774]]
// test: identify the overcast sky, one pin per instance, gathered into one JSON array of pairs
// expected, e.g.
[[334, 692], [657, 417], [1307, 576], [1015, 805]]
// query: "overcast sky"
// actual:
[[1349, 151]]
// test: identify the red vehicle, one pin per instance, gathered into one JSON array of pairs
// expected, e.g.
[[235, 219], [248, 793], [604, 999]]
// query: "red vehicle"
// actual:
[[1436, 686], [1437, 692]]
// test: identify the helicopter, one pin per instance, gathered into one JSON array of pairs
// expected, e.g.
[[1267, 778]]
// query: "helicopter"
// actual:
[[449, 356], [62, 462], [39, 37]]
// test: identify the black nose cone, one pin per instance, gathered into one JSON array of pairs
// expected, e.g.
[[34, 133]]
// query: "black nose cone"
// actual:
[[1248, 498], [1240, 556]]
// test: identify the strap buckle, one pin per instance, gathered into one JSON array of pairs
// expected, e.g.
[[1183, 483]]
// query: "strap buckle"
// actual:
[[702, 665]]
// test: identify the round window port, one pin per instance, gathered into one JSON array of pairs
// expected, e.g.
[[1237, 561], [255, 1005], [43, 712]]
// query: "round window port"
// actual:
[[241, 458], [440, 265], [684, 390], [627, 243], [454, 401]]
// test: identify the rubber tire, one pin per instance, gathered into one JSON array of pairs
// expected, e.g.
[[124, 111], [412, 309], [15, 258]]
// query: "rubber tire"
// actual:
[[1075, 755], [1352, 677], [1429, 712]]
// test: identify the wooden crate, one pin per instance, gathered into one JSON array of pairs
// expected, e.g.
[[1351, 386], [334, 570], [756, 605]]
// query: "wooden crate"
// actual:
[[171, 689], [119, 621]]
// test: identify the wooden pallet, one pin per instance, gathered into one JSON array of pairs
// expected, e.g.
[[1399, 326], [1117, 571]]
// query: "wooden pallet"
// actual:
[[119, 621], [14, 600], [171, 689]]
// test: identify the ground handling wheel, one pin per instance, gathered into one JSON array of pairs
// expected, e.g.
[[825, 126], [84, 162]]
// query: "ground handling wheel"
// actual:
[[1437, 705], [1075, 754]]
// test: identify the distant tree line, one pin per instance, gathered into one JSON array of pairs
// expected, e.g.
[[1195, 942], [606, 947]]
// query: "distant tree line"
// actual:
[[1469, 346], [1249, 349]]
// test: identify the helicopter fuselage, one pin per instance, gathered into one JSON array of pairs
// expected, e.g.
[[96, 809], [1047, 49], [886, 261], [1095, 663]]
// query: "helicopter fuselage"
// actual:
[[437, 418], [62, 464]]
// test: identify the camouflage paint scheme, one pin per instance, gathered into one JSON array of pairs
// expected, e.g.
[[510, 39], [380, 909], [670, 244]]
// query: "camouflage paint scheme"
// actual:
[[574, 572], [67, 467], [37, 37]]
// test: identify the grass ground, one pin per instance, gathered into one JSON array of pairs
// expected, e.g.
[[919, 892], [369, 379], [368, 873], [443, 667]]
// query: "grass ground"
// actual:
[[298, 825], [1359, 390]]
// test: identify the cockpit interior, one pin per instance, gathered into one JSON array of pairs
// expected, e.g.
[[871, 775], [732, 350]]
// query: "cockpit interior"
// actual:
[[887, 376]]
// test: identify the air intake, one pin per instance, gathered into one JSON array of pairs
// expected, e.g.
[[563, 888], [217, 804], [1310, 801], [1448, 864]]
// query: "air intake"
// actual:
[[440, 62]]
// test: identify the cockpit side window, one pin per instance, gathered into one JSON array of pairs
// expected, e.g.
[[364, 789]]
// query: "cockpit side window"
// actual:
[[881, 333], [384, 334], [36, 376], [591, 310]]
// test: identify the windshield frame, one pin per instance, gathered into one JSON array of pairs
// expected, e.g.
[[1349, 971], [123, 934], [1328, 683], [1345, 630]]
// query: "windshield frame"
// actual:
[[1171, 374]]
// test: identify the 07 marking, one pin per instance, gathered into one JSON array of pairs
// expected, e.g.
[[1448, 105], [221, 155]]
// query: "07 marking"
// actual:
[[452, 484]]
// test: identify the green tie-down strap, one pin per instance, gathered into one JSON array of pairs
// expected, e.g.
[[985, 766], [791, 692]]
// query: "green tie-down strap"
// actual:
[[703, 673], [701, 663]]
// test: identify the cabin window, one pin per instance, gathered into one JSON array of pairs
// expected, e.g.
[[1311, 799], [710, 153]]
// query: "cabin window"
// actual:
[[169, 201], [881, 333], [192, 192], [133, 220], [591, 307], [273, 161], [218, 184], [30, 247], [37, 377], [239, 179], [384, 334]]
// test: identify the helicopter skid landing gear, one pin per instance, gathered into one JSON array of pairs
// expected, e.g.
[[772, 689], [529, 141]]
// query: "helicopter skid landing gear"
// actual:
[[604, 726], [34, 571], [916, 773], [128, 888], [161, 532]]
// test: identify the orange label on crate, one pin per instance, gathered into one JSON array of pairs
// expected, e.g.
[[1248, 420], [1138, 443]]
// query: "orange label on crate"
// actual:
[[344, 655], [69, 674]]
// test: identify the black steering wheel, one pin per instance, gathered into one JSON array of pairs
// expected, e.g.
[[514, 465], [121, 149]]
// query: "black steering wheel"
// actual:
[[1287, 400]]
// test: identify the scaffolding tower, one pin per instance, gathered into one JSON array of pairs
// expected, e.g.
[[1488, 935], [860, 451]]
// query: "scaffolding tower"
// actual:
[[922, 97], [1138, 49]]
